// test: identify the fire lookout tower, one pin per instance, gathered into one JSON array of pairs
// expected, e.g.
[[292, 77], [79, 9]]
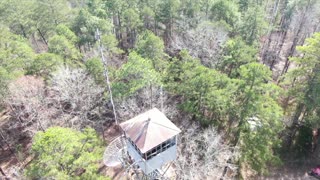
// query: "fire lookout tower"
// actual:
[[151, 140]]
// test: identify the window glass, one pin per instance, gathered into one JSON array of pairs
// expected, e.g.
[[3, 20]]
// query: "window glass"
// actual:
[[158, 149]]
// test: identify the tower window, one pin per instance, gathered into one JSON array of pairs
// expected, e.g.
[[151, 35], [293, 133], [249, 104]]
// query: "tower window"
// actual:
[[160, 148]]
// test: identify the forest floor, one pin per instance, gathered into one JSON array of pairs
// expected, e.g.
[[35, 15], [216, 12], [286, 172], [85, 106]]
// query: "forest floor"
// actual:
[[292, 171], [10, 163], [295, 168]]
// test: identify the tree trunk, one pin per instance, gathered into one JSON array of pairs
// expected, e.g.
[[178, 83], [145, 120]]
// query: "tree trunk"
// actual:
[[42, 36], [2, 148], [35, 42], [295, 40], [283, 25], [207, 9], [2, 172], [286, 101], [295, 124], [6, 142], [23, 31], [273, 19], [167, 33], [155, 27], [230, 69], [272, 63], [120, 29]]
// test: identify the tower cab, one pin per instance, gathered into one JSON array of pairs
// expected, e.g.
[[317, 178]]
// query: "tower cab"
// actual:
[[151, 140]]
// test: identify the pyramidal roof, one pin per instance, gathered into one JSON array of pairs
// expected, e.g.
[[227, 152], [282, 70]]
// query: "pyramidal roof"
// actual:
[[149, 129]]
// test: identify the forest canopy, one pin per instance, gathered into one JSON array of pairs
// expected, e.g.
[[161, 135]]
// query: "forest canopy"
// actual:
[[243, 72]]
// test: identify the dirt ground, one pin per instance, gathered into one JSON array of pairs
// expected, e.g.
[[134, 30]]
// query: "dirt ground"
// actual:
[[294, 172], [295, 169]]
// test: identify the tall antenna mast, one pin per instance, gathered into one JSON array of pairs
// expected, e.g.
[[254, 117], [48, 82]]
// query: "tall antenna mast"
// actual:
[[104, 61], [161, 98]]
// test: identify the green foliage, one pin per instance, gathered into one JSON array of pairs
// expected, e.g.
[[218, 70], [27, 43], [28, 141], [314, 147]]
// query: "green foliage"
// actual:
[[16, 56], [168, 10], [236, 53], [131, 18], [134, 75], [97, 8], [253, 25], [255, 75], [5, 77], [208, 94], [86, 24], [254, 87], [238, 92], [63, 153], [147, 14], [18, 15], [257, 148], [115, 6], [225, 10], [190, 8], [15, 53], [95, 68], [151, 47], [260, 118], [61, 46], [63, 30], [213, 98], [44, 64], [110, 44], [303, 142], [305, 79], [50, 13], [243, 5]]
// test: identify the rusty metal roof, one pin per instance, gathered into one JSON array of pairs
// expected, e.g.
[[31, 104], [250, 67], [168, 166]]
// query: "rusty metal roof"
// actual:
[[149, 129]]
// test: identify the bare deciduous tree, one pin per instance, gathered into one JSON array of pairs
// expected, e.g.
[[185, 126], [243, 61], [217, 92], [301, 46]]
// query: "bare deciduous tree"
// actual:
[[146, 99], [26, 100], [203, 155], [75, 94], [69, 100], [205, 42]]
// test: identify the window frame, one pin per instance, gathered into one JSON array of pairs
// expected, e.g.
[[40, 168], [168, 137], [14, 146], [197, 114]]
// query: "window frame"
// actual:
[[159, 148]]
